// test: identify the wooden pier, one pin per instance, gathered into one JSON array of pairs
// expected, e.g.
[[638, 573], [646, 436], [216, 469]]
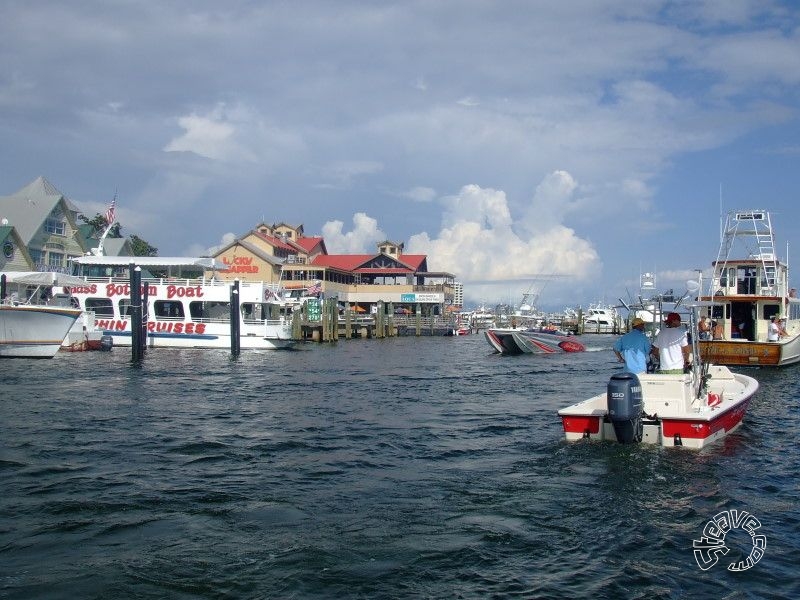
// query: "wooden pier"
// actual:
[[325, 324]]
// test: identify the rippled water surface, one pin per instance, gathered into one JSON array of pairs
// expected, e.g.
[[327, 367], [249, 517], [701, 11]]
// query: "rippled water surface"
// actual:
[[400, 468]]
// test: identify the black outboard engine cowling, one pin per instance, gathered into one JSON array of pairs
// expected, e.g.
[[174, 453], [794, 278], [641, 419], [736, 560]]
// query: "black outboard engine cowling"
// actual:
[[625, 407], [106, 343]]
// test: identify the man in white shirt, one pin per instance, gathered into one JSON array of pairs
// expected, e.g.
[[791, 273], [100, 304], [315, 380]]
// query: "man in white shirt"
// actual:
[[775, 331], [671, 346]]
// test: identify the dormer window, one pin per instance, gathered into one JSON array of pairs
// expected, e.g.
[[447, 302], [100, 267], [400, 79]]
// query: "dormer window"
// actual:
[[55, 225]]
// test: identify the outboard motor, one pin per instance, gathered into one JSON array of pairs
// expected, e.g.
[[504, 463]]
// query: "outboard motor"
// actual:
[[625, 407], [106, 343]]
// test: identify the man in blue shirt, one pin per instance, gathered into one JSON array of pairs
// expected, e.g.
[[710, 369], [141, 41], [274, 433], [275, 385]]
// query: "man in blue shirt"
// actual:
[[633, 348]]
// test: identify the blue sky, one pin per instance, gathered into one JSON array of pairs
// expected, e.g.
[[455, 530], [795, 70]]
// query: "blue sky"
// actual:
[[562, 147]]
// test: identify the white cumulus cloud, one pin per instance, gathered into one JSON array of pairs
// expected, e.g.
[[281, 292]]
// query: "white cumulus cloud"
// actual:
[[362, 239], [479, 243]]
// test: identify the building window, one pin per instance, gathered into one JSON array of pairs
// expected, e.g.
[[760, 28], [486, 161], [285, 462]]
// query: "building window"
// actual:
[[55, 259], [8, 250], [55, 226]]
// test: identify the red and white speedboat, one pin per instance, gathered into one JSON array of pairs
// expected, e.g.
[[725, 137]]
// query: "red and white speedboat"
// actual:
[[530, 341], [691, 409], [670, 410]]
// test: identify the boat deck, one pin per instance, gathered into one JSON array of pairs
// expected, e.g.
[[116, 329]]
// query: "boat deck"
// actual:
[[671, 396]]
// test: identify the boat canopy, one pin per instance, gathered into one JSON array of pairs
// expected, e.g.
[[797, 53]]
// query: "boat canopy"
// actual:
[[148, 261], [42, 278]]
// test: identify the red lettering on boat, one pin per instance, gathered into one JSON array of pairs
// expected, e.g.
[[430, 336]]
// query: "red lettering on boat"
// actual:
[[174, 291]]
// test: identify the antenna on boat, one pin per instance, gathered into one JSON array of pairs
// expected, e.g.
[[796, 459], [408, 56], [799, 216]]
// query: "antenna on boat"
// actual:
[[699, 371], [721, 216]]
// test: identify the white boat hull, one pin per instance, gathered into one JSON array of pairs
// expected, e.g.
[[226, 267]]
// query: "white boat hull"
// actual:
[[187, 313], [34, 331], [168, 335], [677, 416]]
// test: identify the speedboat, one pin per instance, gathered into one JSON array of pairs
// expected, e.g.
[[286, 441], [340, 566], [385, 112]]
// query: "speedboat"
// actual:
[[668, 410], [530, 341], [691, 409]]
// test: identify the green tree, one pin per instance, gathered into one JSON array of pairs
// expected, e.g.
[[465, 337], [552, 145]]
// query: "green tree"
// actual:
[[142, 248], [98, 222]]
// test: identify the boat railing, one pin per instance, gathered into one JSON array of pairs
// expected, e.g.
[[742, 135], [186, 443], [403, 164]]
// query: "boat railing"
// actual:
[[204, 281]]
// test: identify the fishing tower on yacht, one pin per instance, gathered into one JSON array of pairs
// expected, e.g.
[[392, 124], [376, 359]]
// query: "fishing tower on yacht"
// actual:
[[750, 286]]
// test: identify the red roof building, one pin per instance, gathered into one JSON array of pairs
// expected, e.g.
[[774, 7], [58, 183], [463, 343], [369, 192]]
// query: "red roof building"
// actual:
[[281, 253]]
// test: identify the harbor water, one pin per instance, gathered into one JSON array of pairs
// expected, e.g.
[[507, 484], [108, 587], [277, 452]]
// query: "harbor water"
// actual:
[[396, 468]]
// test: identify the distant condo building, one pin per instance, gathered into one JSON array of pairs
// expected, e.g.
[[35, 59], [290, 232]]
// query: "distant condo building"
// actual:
[[458, 295]]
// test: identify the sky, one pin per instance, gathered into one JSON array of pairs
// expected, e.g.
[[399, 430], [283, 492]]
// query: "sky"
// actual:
[[557, 148]]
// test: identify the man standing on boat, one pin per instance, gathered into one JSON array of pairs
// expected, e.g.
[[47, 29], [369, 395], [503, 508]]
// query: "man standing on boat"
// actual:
[[633, 348], [776, 330], [671, 346]]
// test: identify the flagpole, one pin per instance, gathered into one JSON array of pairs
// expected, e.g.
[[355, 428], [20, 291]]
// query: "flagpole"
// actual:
[[110, 220]]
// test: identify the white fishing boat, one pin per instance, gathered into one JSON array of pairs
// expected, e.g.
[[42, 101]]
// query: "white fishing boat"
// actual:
[[600, 318], [463, 324], [482, 318], [648, 307], [745, 292], [46, 288], [28, 331], [186, 307], [690, 409]]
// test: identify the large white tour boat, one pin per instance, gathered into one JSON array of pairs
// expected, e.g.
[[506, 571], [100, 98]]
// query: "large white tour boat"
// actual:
[[185, 307]]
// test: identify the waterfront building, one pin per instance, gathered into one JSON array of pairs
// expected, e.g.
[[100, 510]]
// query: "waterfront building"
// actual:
[[283, 254], [40, 229], [40, 232]]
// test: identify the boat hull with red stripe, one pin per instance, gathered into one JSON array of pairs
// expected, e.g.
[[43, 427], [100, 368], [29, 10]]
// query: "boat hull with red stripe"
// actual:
[[674, 414], [527, 341]]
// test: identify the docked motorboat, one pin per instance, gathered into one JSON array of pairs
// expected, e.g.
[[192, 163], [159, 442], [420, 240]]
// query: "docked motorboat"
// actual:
[[745, 292], [46, 288], [601, 319], [482, 318], [690, 409], [33, 331], [530, 341]]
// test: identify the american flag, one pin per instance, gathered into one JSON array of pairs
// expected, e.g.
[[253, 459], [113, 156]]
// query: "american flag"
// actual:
[[314, 289], [110, 213]]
